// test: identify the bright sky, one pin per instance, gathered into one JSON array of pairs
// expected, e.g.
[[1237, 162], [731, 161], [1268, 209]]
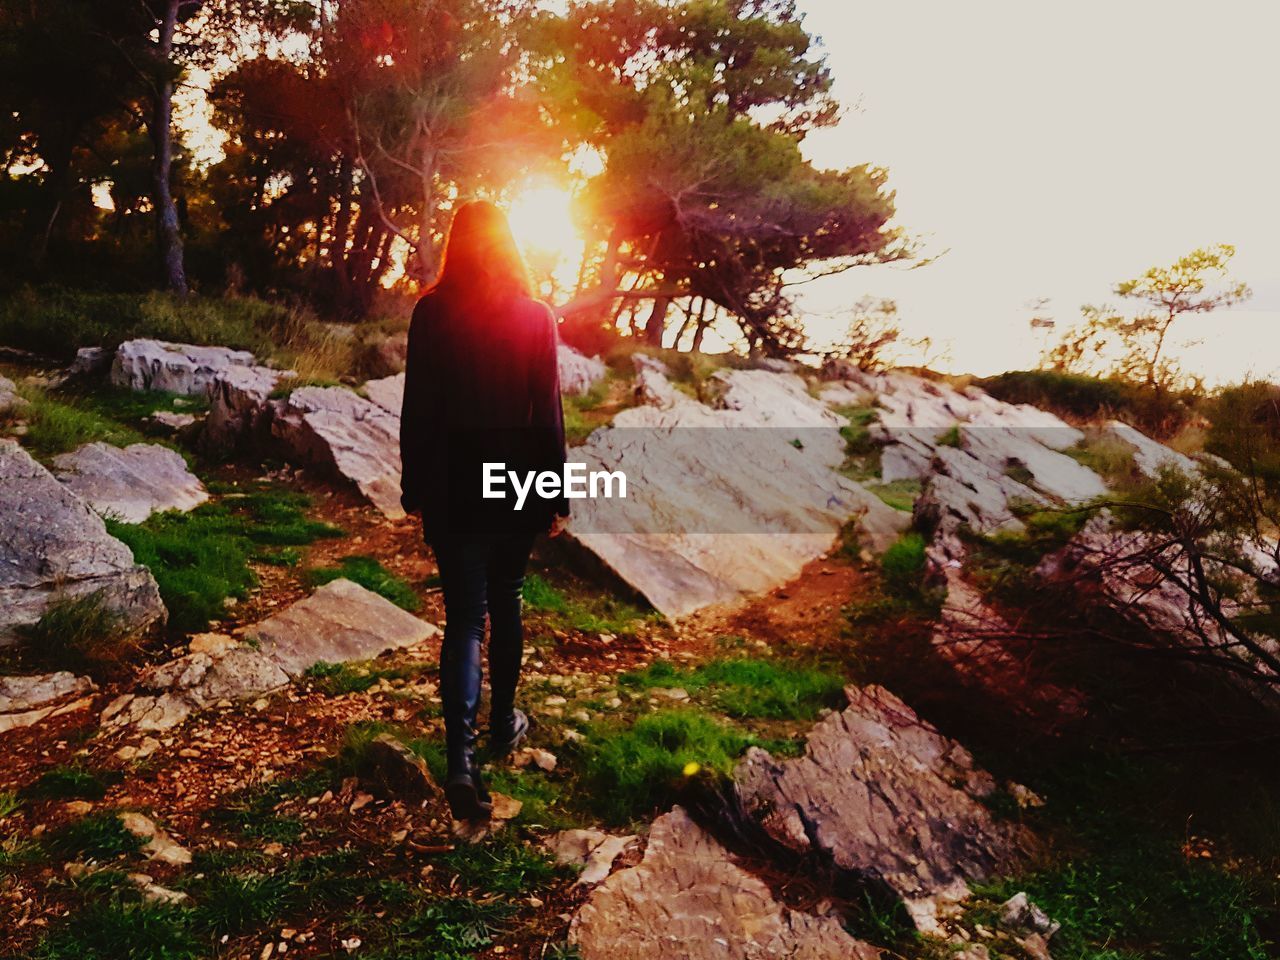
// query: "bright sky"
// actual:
[[1055, 149]]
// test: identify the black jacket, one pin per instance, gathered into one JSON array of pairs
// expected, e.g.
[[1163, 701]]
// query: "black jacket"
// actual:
[[481, 385]]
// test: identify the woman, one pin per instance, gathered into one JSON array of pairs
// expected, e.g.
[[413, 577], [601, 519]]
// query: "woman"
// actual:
[[481, 386]]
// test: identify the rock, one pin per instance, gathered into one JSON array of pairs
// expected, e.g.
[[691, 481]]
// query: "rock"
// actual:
[[173, 367], [388, 393], [52, 546], [27, 693], [172, 691], [159, 845], [592, 851], [724, 502], [171, 422], [1150, 456], [398, 771], [28, 718], [78, 808], [1019, 915], [91, 360], [389, 356], [578, 373], [882, 794], [688, 899], [10, 402], [542, 759], [335, 429], [152, 892], [239, 412], [340, 621], [130, 483]]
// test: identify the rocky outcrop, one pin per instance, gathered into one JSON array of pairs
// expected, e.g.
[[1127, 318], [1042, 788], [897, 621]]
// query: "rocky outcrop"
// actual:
[[91, 360], [884, 795], [689, 899], [10, 402], [239, 414], [722, 501], [173, 367], [53, 545], [388, 393], [25, 701], [593, 852], [578, 373], [1150, 456], [337, 430], [340, 621], [130, 483]]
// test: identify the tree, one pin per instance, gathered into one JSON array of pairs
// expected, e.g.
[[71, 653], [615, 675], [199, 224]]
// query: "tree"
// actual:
[[1196, 283], [875, 338], [699, 109]]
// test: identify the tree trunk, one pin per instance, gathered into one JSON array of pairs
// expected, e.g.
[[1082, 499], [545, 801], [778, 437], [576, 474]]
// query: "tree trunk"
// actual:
[[657, 322], [168, 231]]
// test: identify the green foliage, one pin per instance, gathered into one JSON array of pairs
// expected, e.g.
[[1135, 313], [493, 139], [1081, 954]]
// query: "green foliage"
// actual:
[[503, 866], [98, 836], [1244, 429], [81, 633], [951, 438], [748, 688], [122, 930], [201, 558], [371, 575], [72, 782], [59, 425], [1108, 456], [628, 771], [233, 903], [10, 802], [903, 564], [336, 679], [593, 613], [900, 494], [445, 929], [253, 810], [1075, 396]]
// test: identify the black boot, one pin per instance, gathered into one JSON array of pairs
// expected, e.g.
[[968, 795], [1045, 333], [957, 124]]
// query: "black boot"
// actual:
[[460, 690]]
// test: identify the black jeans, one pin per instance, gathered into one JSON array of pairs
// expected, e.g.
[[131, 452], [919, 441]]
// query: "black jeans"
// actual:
[[479, 573]]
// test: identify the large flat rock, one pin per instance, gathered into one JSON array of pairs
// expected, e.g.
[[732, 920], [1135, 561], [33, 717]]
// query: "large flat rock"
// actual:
[[340, 621], [173, 367], [238, 405], [342, 432], [25, 701], [688, 899], [722, 501], [53, 545], [883, 794], [130, 483]]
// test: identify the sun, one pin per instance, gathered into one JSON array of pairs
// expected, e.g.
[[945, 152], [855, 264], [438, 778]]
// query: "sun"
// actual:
[[541, 218]]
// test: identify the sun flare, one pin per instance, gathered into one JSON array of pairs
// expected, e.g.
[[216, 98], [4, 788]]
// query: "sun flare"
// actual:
[[542, 220]]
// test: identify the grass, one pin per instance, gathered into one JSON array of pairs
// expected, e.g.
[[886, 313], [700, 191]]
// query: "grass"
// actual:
[[253, 810], [581, 412], [629, 771], [56, 425], [337, 679], [72, 783], [81, 633], [905, 593], [899, 494], [748, 688], [202, 558], [1109, 457], [372, 575], [502, 866], [596, 613], [950, 438], [125, 930], [10, 803], [448, 928], [98, 836]]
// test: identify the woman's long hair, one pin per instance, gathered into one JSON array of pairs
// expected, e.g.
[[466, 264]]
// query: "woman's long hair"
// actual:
[[481, 260]]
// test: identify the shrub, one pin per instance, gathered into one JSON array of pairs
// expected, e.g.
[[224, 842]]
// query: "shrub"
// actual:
[[903, 564], [81, 633], [630, 771]]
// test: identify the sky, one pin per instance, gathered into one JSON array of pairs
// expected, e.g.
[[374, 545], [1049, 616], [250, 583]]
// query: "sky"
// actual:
[[1052, 150]]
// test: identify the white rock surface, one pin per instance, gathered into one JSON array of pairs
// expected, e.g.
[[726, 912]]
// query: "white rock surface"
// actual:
[[592, 851], [238, 407], [340, 621], [173, 367], [130, 483], [10, 402], [688, 899], [53, 545], [578, 373], [723, 502], [388, 393], [25, 701], [334, 428], [1149, 455]]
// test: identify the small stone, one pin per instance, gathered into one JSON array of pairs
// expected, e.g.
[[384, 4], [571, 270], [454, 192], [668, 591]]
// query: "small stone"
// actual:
[[78, 808], [361, 801]]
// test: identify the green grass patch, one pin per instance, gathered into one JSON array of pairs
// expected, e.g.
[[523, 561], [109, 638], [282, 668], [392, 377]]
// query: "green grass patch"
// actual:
[[336, 679], [98, 836], [951, 438], [748, 688], [899, 494], [253, 811], [452, 928], [81, 634], [10, 803], [371, 575], [581, 412], [119, 928], [1107, 456], [629, 771], [201, 558], [591, 614], [57, 425], [502, 866], [72, 782]]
